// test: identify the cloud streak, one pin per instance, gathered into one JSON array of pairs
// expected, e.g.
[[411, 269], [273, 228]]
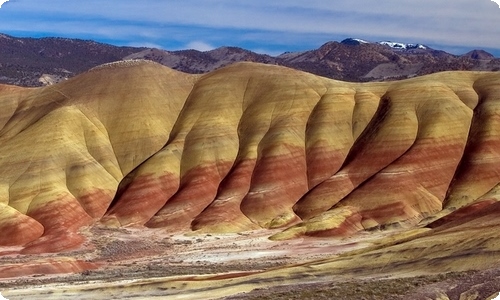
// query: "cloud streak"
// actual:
[[199, 45], [260, 24]]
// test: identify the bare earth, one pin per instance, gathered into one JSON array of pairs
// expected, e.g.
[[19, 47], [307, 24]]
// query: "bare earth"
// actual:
[[125, 257]]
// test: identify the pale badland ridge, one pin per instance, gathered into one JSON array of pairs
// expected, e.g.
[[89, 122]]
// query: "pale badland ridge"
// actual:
[[253, 148]]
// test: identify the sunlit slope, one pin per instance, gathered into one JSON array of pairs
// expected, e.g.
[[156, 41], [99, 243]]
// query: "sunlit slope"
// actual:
[[466, 243], [244, 147], [461, 245], [64, 149]]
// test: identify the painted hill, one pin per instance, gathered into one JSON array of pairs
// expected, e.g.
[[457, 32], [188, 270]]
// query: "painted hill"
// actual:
[[66, 147], [244, 147]]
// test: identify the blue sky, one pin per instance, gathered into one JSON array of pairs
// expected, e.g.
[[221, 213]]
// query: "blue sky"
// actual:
[[265, 26]]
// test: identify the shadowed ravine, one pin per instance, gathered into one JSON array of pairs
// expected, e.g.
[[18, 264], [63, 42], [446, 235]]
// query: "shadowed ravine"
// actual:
[[254, 146]]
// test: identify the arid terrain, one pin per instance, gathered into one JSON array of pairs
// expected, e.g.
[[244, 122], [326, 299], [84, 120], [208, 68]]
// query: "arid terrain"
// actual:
[[161, 265], [133, 180], [45, 61]]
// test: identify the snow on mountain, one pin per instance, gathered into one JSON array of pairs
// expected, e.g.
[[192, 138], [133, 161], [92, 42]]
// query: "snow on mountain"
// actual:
[[393, 45], [402, 46], [353, 41], [361, 41]]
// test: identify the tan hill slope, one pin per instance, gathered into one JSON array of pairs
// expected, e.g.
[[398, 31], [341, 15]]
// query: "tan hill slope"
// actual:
[[245, 147], [65, 148]]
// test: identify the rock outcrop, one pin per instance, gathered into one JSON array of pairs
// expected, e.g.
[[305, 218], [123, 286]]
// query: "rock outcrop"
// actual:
[[247, 146]]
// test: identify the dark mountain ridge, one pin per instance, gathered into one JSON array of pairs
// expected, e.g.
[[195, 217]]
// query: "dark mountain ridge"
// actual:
[[39, 61], [24, 60]]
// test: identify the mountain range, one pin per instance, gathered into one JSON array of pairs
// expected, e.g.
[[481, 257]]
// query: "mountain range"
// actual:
[[44, 61]]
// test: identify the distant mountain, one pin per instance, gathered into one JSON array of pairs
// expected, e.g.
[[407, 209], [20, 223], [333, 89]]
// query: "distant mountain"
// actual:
[[354, 42], [479, 54], [195, 62], [393, 45], [23, 61], [35, 62], [402, 46]]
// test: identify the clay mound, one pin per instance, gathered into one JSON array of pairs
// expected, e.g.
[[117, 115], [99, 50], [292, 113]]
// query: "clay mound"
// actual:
[[244, 147], [65, 148]]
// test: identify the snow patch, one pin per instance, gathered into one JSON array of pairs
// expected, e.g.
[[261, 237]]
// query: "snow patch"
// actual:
[[2, 297], [403, 46], [363, 41], [498, 296]]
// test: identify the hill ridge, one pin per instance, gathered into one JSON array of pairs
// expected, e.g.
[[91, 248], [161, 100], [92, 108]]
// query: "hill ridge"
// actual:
[[246, 147], [45, 61]]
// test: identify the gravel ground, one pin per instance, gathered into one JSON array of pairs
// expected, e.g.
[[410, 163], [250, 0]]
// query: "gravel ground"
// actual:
[[134, 254], [478, 285]]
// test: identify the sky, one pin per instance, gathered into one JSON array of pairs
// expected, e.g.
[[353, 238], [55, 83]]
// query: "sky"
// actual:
[[263, 26]]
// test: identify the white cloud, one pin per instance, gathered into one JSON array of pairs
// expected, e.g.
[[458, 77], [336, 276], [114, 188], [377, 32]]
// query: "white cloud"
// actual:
[[2, 3], [267, 51], [199, 45], [471, 23]]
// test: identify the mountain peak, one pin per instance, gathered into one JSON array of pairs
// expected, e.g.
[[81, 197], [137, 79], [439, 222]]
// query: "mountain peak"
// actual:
[[403, 46], [392, 45], [478, 54], [353, 41], [31, 61]]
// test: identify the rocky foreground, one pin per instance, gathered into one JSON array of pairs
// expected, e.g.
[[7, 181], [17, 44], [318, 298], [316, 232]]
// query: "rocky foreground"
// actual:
[[341, 181]]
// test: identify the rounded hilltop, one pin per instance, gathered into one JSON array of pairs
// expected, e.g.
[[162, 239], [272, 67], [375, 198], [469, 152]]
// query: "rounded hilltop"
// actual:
[[134, 159]]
